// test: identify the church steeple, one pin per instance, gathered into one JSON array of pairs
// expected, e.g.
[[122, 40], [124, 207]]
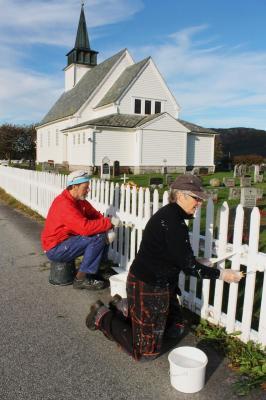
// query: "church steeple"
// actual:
[[82, 53]]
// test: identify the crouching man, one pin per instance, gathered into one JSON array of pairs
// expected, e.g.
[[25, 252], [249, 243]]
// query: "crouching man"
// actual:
[[152, 306], [74, 228]]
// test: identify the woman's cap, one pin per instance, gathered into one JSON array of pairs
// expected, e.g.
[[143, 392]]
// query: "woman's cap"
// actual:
[[191, 184]]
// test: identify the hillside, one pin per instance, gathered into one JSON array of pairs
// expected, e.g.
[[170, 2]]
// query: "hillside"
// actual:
[[240, 141]]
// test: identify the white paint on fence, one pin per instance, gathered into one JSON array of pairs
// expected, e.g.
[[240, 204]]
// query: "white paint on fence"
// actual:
[[38, 189]]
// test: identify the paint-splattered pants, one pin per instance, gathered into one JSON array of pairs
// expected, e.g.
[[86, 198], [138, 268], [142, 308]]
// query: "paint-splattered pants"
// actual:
[[151, 309]]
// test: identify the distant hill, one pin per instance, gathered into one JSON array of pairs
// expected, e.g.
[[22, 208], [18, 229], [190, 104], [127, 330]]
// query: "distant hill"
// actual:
[[240, 141]]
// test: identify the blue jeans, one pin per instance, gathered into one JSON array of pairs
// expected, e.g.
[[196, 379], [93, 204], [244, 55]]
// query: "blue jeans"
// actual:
[[93, 249]]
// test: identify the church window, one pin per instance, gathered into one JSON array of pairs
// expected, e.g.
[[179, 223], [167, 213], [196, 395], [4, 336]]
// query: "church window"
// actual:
[[57, 137], [41, 142], [147, 107], [79, 138], [83, 138], [48, 139], [74, 138], [157, 107], [137, 106]]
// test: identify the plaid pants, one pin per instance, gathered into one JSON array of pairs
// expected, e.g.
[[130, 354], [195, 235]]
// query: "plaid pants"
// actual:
[[151, 310]]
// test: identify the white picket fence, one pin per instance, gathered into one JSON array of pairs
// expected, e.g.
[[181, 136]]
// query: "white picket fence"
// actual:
[[134, 207]]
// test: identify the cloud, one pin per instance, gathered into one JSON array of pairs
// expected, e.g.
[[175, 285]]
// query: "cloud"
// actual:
[[206, 76], [26, 94], [54, 21]]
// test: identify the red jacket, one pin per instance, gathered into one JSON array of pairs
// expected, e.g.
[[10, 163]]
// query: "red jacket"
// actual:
[[68, 217]]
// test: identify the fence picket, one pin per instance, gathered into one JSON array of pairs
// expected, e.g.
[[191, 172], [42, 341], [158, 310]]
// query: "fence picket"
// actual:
[[233, 290], [250, 278], [222, 242], [207, 253]]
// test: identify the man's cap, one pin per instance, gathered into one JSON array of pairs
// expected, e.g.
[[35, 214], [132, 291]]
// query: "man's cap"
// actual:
[[191, 184], [77, 177]]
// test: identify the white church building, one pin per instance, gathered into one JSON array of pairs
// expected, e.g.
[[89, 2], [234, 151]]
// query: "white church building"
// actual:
[[121, 110]]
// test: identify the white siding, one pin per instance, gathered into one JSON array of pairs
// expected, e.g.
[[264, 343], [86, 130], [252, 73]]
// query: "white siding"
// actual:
[[49, 150], [165, 123], [200, 150], [87, 112], [157, 146], [148, 86], [116, 145], [80, 153]]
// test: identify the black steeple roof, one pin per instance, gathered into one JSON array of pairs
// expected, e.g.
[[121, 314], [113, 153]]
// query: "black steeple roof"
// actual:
[[82, 53]]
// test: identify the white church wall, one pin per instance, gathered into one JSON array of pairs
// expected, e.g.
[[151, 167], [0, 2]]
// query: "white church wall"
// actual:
[[200, 150], [73, 74], [88, 112], [163, 145], [148, 86], [80, 147], [117, 146], [52, 143]]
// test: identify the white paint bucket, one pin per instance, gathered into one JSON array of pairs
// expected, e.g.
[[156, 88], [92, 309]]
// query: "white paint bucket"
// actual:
[[187, 369]]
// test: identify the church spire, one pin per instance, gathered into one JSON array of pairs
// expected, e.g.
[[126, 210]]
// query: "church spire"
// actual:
[[82, 39], [82, 53]]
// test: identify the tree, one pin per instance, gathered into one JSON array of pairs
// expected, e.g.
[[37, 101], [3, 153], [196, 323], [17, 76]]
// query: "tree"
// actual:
[[17, 141]]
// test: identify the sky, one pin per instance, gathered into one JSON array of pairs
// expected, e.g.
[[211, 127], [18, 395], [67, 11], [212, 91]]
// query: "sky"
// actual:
[[212, 54]]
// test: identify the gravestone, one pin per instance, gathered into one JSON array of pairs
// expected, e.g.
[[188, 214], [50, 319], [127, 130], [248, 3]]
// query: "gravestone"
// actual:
[[157, 181], [213, 194], [259, 193], [248, 197], [215, 182], [169, 179], [242, 170], [245, 181], [234, 193], [229, 182], [48, 166], [259, 178], [105, 169], [116, 168], [203, 171]]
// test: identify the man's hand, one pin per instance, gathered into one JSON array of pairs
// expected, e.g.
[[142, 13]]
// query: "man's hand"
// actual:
[[229, 276], [110, 236], [116, 222]]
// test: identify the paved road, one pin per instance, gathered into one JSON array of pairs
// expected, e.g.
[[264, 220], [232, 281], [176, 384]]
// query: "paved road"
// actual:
[[47, 352]]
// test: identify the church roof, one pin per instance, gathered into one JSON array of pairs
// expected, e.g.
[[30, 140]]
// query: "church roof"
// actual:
[[118, 121], [71, 101], [122, 83], [196, 128]]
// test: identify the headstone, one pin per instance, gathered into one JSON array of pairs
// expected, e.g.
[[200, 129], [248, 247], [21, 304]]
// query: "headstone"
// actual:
[[259, 193], [203, 171], [105, 170], [213, 194], [229, 182], [47, 167], [169, 179], [236, 171], [157, 181], [234, 193], [215, 182], [116, 169], [248, 197], [259, 178], [245, 181], [242, 170]]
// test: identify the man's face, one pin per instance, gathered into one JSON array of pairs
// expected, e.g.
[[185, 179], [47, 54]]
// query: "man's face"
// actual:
[[189, 203], [80, 192]]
